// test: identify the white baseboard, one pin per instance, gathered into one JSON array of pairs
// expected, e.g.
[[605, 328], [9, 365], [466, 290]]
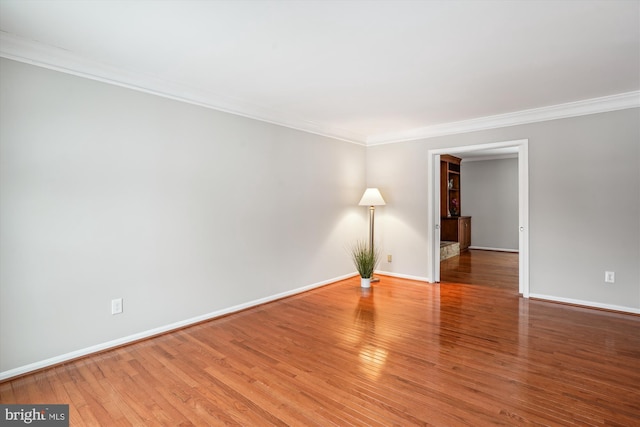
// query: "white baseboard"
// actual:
[[160, 330], [586, 303], [403, 276], [482, 248]]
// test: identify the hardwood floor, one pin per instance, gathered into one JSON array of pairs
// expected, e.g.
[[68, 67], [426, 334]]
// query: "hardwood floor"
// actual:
[[404, 353], [479, 267]]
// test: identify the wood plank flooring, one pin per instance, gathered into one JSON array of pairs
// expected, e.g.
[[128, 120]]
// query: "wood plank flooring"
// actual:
[[404, 353], [479, 267]]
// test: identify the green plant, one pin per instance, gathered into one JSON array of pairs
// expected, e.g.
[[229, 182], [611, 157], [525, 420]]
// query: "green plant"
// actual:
[[364, 259]]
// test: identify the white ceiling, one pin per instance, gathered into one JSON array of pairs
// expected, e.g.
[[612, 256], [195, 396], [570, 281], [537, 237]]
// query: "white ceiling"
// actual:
[[364, 71]]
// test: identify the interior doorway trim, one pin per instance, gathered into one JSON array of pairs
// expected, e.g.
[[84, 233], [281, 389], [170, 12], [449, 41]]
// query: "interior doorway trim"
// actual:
[[433, 217]]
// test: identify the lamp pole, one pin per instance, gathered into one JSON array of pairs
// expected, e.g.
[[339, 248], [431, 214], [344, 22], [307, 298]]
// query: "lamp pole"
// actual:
[[372, 214]]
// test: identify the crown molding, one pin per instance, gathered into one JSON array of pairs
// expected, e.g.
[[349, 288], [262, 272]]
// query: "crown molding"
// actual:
[[571, 109], [58, 59], [55, 58]]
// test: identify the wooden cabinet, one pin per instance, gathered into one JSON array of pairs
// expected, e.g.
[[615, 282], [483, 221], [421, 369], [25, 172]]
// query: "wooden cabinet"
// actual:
[[456, 229], [453, 226]]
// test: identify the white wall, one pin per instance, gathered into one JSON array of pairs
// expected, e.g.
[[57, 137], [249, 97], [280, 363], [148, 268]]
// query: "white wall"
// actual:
[[584, 198], [400, 172], [182, 211], [490, 197]]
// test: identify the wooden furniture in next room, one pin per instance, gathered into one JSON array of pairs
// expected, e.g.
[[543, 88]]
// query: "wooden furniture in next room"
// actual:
[[453, 226]]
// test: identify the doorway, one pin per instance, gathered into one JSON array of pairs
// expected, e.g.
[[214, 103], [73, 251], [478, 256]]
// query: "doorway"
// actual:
[[519, 146]]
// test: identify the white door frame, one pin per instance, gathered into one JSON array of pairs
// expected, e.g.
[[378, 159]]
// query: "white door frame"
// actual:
[[433, 216]]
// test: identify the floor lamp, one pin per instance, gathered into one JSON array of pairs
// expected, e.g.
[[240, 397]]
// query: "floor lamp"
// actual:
[[372, 198]]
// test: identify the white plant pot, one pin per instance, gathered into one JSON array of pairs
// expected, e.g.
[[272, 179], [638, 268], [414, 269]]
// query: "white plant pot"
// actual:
[[365, 283]]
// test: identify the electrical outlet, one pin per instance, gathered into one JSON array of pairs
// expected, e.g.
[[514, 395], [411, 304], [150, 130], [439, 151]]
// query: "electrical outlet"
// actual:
[[388, 258], [610, 276], [116, 306]]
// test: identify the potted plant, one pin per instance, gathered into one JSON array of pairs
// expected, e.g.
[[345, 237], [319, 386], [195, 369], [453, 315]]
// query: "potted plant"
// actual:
[[365, 261]]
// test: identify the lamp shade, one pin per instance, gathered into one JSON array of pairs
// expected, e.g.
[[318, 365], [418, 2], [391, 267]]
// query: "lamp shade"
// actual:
[[372, 197]]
